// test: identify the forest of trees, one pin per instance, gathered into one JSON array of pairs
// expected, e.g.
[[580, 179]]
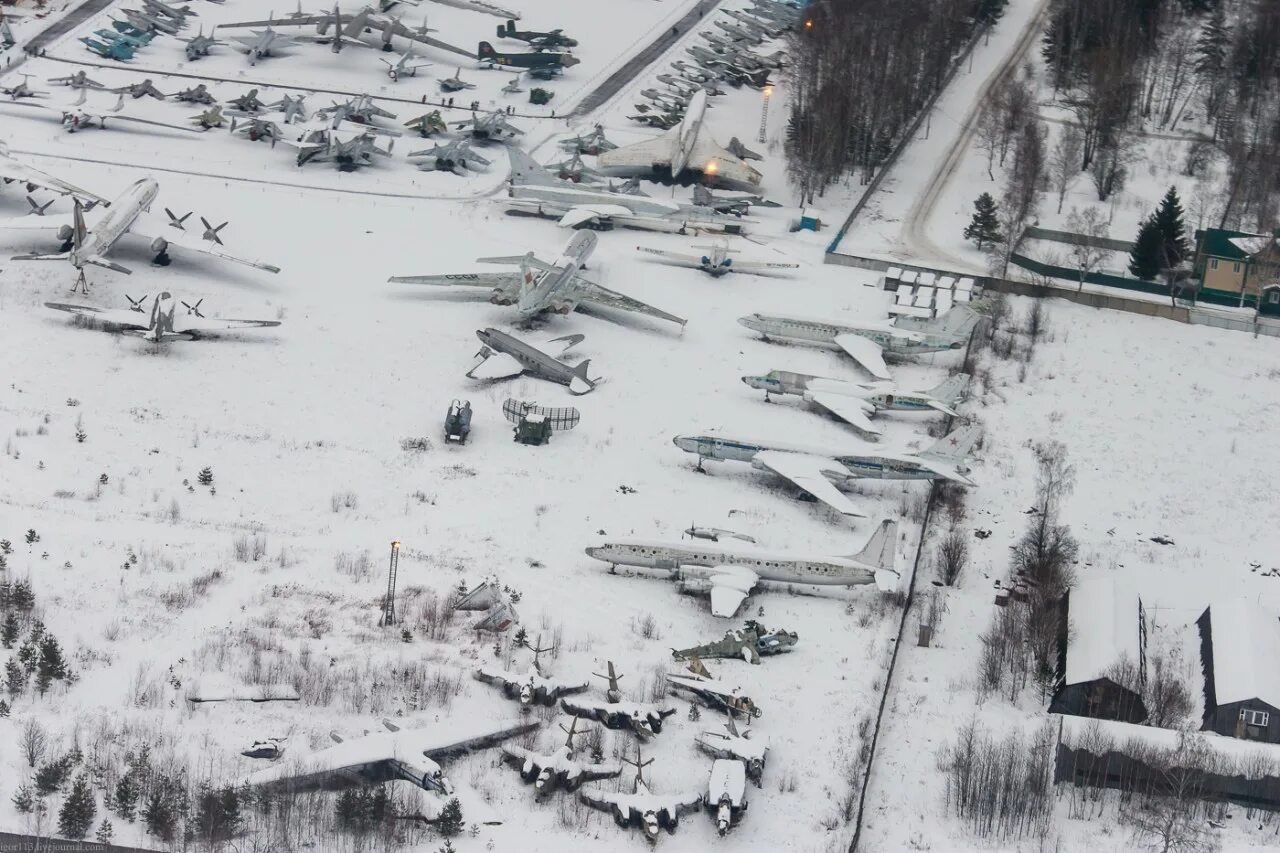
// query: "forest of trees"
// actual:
[[861, 71]]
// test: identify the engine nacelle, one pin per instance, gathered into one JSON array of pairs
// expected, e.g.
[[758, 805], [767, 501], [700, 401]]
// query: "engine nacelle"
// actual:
[[694, 586], [65, 233], [159, 245], [499, 297]]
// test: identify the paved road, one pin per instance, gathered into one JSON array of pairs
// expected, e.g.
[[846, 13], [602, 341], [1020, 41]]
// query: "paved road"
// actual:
[[628, 73], [15, 843], [66, 24]]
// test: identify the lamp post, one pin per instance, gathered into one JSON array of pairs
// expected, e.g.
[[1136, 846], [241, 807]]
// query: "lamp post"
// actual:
[[764, 110], [389, 603]]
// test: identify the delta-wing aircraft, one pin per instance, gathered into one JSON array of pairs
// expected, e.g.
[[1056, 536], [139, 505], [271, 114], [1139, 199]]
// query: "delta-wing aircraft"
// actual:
[[643, 808], [14, 170], [867, 343], [260, 44], [456, 156], [491, 126], [857, 402], [540, 286], [716, 262], [687, 146], [816, 470], [161, 325], [88, 236], [729, 574]]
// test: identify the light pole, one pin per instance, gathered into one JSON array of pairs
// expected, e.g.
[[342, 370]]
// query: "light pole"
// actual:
[[764, 111], [389, 603]]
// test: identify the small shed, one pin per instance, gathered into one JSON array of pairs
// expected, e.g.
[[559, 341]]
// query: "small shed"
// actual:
[[1101, 653], [1239, 648]]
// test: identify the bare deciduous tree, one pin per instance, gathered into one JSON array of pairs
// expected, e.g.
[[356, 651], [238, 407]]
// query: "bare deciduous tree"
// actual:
[[1064, 161], [1086, 254], [34, 742]]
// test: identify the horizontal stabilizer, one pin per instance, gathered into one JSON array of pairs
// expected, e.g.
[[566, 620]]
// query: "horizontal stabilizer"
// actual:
[[105, 264], [62, 256]]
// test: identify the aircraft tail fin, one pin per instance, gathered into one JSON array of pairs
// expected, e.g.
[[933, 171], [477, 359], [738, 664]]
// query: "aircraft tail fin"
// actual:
[[958, 323], [956, 445], [949, 392], [525, 171], [485, 51], [880, 548], [78, 229], [581, 383]]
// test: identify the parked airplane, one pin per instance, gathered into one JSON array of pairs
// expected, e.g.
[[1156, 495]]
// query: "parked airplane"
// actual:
[[716, 694], [857, 402], [559, 768], [133, 40], [89, 236], [504, 356], [161, 325], [361, 109], [814, 469], [117, 50], [76, 117], [137, 91], [727, 793], [412, 755], [367, 19], [588, 143], [455, 83], [200, 45], [262, 43], [867, 343], [200, 94], [772, 30], [455, 156], [554, 38], [534, 191], [348, 148], [428, 124], [537, 59], [717, 262], [540, 287], [247, 104], [749, 747], [257, 128], [687, 146], [14, 170], [738, 33], [531, 687], [644, 719], [211, 117], [491, 126], [575, 170], [643, 808], [149, 22], [729, 574], [403, 66], [78, 80], [173, 13], [293, 108]]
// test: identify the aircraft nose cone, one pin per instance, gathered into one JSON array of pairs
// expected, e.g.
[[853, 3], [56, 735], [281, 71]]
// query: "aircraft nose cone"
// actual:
[[683, 442], [749, 321], [751, 381]]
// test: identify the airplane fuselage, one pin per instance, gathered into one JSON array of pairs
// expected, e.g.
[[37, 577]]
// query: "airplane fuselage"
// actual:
[[634, 211], [687, 561], [553, 290], [116, 221], [532, 359], [784, 382], [812, 331], [844, 466]]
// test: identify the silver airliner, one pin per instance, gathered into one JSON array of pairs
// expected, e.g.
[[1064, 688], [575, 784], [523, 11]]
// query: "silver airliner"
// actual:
[[729, 574]]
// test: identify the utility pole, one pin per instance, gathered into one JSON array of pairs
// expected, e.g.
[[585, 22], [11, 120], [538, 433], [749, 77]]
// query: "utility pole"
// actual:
[[389, 603]]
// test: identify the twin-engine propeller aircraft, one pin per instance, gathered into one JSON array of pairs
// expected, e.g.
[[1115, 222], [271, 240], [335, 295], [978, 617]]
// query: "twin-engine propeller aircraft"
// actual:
[[89, 235], [161, 325]]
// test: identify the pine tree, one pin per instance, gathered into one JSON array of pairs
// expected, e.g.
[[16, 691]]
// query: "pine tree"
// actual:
[[205, 477], [1145, 260], [51, 777], [23, 597], [522, 637], [990, 11], [217, 814], [984, 227], [160, 812], [104, 833], [24, 799], [51, 666], [4, 709], [126, 795], [1173, 231], [78, 810], [32, 536], [450, 821], [9, 630], [15, 677]]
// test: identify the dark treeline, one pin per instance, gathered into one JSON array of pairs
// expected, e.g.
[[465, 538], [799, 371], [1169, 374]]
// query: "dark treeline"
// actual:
[[861, 71], [1119, 65]]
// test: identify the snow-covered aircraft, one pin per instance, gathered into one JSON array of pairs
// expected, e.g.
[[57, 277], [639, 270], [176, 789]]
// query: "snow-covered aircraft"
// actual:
[[643, 808], [686, 146], [504, 356], [350, 26], [559, 768], [867, 343], [14, 170], [456, 156], [540, 287], [715, 693], [79, 116], [530, 687], [727, 793], [749, 747], [857, 402], [729, 574], [814, 469], [88, 236], [642, 718], [410, 755], [263, 43], [492, 126], [404, 65], [161, 325], [717, 262]]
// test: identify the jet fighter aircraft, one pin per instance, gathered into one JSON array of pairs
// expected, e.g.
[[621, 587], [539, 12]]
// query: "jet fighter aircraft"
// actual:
[[200, 45], [428, 124], [454, 156], [404, 65], [491, 126], [540, 287], [263, 43]]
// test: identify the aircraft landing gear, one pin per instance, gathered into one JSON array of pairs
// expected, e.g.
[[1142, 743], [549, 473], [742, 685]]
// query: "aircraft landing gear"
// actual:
[[81, 285], [700, 469], [766, 397], [162, 259]]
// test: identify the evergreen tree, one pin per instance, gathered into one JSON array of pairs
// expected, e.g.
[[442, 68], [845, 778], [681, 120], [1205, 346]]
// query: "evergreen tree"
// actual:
[[126, 795], [450, 821], [24, 799], [4, 709], [205, 477], [1173, 231], [78, 810], [51, 666], [217, 814], [104, 833], [15, 678], [23, 597], [984, 227], [990, 11], [9, 630], [160, 812], [1146, 258], [50, 777]]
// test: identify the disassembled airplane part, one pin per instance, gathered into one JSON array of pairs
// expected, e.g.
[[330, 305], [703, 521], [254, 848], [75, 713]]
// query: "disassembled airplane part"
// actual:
[[457, 423]]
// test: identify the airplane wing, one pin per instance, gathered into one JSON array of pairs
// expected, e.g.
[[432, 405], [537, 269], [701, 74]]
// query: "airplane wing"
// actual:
[[582, 214], [944, 469], [304, 21], [15, 170], [689, 260], [191, 323], [729, 586], [465, 735], [651, 152], [589, 291], [52, 224], [507, 282], [866, 353], [851, 409], [414, 35], [120, 317], [606, 800], [761, 266], [149, 228], [675, 804], [720, 162], [496, 365], [806, 472]]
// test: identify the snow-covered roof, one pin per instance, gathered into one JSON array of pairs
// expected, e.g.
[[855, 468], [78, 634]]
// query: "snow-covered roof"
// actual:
[[1097, 736], [1252, 245], [1246, 646], [1104, 629]]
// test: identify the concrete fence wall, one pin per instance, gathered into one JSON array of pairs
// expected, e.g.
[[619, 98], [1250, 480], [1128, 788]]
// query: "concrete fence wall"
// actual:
[[1031, 232]]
